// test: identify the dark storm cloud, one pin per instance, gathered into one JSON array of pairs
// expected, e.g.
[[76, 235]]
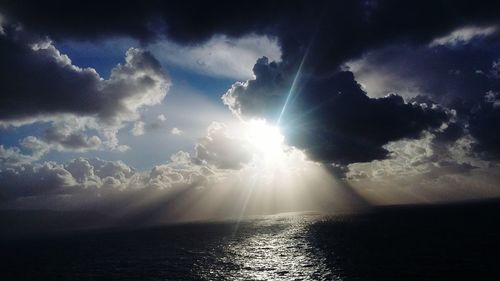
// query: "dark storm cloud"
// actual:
[[83, 19], [39, 81], [455, 76], [345, 26], [461, 76], [30, 80], [484, 125], [329, 116], [46, 178], [334, 121], [357, 127]]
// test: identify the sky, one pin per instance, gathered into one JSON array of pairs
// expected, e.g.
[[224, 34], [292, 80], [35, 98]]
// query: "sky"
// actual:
[[198, 109]]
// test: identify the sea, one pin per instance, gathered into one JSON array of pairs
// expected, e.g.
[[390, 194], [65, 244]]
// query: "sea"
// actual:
[[394, 243]]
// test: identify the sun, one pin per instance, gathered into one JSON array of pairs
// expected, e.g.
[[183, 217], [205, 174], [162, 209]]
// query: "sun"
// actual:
[[265, 139]]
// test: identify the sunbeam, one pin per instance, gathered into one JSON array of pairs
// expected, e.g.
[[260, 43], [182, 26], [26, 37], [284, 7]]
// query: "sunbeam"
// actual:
[[293, 87]]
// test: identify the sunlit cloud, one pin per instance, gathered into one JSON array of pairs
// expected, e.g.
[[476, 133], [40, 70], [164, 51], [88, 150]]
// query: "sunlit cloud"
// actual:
[[176, 131], [138, 128], [161, 117], [464, 35], [310, 119], [216, 56]]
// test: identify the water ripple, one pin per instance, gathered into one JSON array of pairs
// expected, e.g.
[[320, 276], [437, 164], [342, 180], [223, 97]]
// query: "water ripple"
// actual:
[[273, 248]]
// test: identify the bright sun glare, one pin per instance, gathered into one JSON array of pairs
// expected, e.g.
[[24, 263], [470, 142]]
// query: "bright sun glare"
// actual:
[[266, 139]]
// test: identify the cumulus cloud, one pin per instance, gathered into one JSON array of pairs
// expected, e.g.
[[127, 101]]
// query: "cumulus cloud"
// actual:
[[333, 115], [73, 99], [221, 150], [162, 117], [68, 135], [263, 95], [324, 50], [423, 170], [38, 179], [422, 157], [38, 147], [96, 177], [176, 131], [460, 77], [181, 170], [12, 156], [25, 176], [332, 119], [138, 128]]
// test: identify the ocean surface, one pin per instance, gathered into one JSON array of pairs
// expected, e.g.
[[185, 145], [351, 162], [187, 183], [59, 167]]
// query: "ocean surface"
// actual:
[[434, 243]]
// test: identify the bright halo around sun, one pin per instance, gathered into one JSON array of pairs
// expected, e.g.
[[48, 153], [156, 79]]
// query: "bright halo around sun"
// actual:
[[265, 139]]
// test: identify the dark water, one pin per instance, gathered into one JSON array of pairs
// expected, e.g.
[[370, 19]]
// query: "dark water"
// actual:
[[457, 243]]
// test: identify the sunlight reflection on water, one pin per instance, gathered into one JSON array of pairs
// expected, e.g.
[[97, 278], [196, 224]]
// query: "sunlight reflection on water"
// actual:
[[274, 248]]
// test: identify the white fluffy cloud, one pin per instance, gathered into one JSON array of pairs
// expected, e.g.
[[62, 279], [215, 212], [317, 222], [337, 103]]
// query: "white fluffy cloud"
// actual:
[[221, 150], [162, 117], [421, 157], [138, 128], [176, 131], [94, 176], [424, 170], [26, 176]]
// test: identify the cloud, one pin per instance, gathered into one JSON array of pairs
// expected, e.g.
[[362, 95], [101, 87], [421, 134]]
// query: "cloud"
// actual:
[[138, 128], [74, 99], [493, 98], [2, 19], [215, 57], [333, 115], [442, 73], [460, 77], [38, 147], [149, 19], [484, 126], [495, 69], [332, 118], [181, 171], [423, 170], [186, 185], [320, 36], [162, 118], [261, 96], [176, 131], [464, 35], [68, 136], [39, 179], [221, 150], [95, 177], [25, 176], [12, 157], [418, 157]]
